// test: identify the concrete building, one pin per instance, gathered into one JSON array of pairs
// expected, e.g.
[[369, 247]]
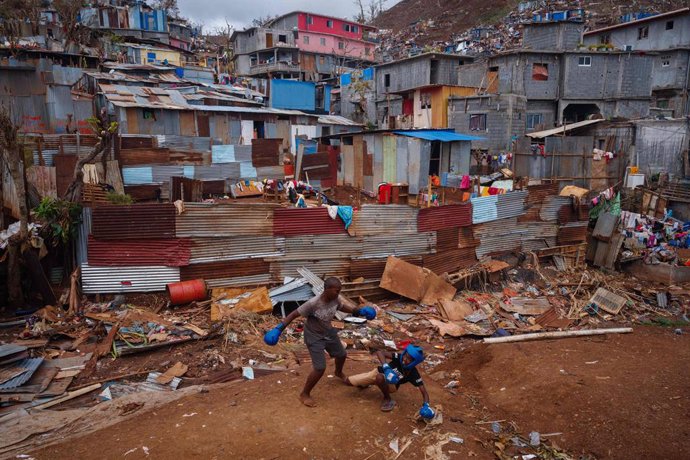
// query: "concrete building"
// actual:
[[660, 32], [357, 96], [667, 34], [530, 90], [414, 92], [302, 46], [553, 36]]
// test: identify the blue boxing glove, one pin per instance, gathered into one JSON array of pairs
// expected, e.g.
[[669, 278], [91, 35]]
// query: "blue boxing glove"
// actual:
[[368, 312], [390, 374], [272, 336], [426, 411]]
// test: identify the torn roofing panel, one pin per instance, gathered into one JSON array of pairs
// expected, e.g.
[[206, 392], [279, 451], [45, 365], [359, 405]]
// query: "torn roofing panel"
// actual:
[[437, 218], [226, 269], [174, 252], [305, 221], [29, 366], [450, 261], [115, 280], [235, 247], [136, 221], [373, 268], [384, 219], [225, 220]]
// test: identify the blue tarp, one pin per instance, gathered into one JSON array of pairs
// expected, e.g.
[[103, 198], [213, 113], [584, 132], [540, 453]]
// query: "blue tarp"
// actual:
[[443, 135]]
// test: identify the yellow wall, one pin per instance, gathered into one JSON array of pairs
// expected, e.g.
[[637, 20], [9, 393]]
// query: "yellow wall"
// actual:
[[173, 57], [439, 102]]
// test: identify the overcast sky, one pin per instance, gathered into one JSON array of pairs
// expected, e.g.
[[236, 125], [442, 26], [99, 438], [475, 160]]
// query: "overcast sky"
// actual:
[[239, 13]]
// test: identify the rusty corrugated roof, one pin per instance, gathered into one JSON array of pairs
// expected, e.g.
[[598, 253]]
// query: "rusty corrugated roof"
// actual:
[[305, 221], [225, 269], [203, 220], [174, 252], [373, 268], [134, 222], [446, 239], [572, 233], [450, 261], [537, 193], [452, 215], [321, 267]]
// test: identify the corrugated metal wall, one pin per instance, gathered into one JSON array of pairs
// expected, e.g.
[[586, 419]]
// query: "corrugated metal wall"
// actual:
[[107, 280], [252, 244], [138, 221]]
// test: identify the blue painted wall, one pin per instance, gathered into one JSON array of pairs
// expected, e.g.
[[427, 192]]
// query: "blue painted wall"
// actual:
[[294, 95], [327, 98]]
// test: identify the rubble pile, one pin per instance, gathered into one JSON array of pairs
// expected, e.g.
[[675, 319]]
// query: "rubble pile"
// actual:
[[494, 32]]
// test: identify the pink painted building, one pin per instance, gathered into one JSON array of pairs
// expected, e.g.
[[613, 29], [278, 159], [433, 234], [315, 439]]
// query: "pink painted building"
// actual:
[[328, 35]]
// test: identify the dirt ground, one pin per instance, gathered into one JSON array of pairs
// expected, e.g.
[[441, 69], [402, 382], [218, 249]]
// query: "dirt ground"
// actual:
[[618, 396]]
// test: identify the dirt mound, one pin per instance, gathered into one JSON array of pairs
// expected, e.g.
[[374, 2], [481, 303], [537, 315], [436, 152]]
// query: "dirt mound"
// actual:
[[619, 396]]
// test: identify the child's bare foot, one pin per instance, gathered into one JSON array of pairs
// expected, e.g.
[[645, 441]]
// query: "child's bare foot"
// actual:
[[343, 377], [307, 400]]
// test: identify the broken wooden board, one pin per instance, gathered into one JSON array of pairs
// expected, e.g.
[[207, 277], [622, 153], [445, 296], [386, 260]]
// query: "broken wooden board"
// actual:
[[454, 310], [527, 305], [416, 283], [608, 301], [178, 370]]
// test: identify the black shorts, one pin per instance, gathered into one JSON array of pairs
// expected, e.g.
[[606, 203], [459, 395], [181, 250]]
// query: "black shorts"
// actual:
[[316, 344]]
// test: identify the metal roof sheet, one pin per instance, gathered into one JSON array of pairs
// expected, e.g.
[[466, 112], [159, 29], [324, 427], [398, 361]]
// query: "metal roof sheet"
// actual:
[[551, 206], [561, 129], [211, 249], [222, 220], [574, 232], [174, 252], [436, 218], [384, 219], [498, 236], [511, 204], [115, 280], [336, 120], [137, 221], [250, 280], [30, 364], [8, 349], [224, 269], [320, 266], [450, 261], [295, 291], [305, 221], [374, 268], [443, 135], [484, 209]]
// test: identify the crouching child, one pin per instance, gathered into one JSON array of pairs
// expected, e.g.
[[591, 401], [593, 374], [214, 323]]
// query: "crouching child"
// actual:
[[395, 370]]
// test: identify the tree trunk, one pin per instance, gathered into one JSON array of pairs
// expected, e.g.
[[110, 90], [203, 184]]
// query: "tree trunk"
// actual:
[[13, 157], [14, 277], [74, 191]]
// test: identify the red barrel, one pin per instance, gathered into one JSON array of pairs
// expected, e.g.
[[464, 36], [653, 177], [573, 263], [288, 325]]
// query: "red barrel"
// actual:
[[187, 291]]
